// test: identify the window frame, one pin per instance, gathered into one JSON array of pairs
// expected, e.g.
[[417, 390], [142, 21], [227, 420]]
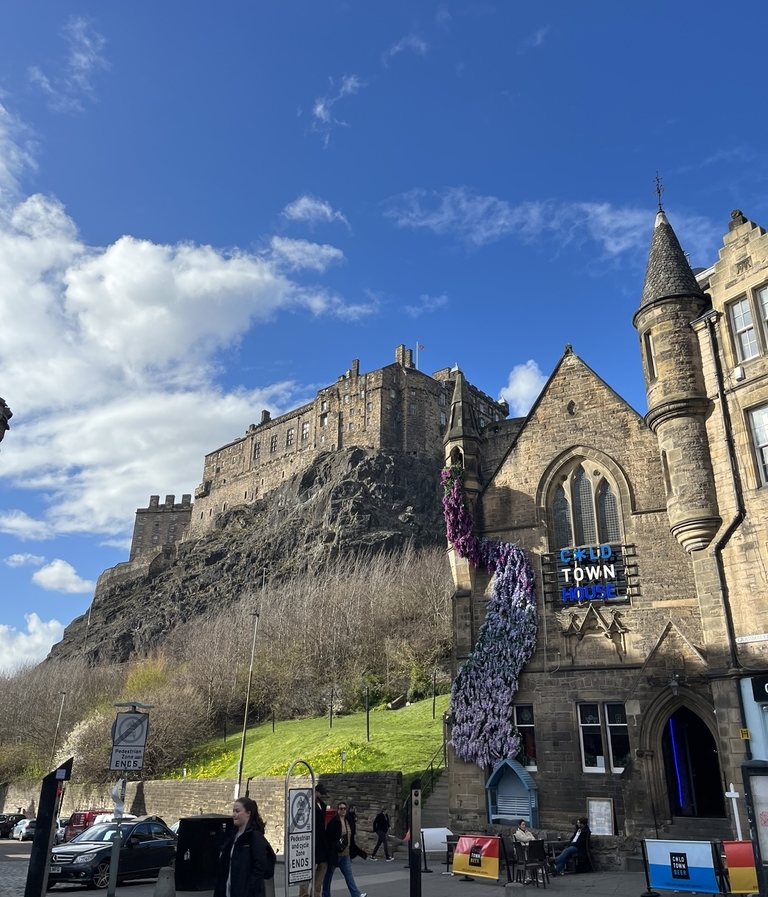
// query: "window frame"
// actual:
[[761, 466], [755, 302], [522, 756], [595, 474], [606, 730]]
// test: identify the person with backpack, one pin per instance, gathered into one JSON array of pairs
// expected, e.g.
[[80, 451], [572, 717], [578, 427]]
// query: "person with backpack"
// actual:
[[246, 858], [380, 828]]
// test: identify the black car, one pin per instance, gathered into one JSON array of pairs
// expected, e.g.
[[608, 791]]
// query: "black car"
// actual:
[[147, 845], [7, 822]]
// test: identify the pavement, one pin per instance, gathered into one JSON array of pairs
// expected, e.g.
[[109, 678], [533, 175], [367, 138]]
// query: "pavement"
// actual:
[[374, 879]]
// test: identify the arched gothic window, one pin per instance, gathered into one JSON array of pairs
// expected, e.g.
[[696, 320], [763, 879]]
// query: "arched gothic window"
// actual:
[[584, 508]]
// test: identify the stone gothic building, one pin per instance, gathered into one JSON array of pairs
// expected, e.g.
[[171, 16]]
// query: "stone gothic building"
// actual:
[[649, 540]]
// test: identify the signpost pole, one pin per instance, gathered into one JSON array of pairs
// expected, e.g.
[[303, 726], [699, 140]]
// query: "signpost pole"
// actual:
[[733, 795], [299, 831]]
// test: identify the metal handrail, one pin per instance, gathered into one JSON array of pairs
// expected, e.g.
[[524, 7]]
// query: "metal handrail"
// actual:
[[428, 778]]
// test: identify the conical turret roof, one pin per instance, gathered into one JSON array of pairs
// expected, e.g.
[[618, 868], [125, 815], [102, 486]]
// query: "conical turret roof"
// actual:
[[668, 273], [462, 422]]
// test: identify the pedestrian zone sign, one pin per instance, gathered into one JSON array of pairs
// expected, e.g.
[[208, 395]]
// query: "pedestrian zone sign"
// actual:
[[129, 738], [301, 816]]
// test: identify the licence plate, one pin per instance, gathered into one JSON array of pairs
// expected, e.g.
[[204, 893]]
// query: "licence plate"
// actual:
[[55, 869]]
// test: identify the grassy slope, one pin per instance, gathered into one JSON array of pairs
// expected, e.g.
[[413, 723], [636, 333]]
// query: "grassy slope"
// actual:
[[402, 740]]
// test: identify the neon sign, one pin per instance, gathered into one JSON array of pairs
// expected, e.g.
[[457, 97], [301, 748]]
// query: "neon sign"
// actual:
[[591, 573]]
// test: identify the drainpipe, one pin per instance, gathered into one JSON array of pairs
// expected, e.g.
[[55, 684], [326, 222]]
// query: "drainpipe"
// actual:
[[734, 523]]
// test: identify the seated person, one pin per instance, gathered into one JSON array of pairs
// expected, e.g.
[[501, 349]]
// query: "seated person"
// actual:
[[522, 833], [578, 845]]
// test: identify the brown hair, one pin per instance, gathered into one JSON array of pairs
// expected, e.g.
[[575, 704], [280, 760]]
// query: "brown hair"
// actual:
[[252, 808]]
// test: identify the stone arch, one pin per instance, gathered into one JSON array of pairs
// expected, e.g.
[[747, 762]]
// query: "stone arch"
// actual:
[[651, 732], [611, 472]]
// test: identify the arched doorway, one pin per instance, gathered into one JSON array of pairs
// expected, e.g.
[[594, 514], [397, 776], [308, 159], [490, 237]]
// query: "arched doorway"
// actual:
[[691, 766]]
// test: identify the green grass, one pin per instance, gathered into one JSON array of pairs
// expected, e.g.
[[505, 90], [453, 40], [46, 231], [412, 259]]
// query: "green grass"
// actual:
[[403, 740]]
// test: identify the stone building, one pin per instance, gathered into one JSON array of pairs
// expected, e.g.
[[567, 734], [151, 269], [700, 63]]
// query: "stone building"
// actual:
[[396, 408], [649, 541], [160, 525]]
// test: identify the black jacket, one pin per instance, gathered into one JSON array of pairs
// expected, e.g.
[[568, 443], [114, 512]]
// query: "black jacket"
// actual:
[[249, 862], [381, 823], [332, 835], [321, 846]]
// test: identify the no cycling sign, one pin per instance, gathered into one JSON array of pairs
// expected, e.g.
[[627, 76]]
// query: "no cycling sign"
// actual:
[[129, 738]]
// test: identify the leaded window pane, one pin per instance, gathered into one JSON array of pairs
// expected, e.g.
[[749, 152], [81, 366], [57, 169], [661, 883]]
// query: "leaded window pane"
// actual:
[[583, 511], [561, 513], [608, 513]]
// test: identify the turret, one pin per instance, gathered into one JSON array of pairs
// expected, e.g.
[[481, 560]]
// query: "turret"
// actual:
[[677, 402]]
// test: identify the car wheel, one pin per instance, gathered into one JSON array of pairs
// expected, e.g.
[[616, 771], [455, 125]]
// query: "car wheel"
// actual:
[[100, 875]]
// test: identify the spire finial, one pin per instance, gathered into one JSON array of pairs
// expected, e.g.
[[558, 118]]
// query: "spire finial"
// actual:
[[658, 191]]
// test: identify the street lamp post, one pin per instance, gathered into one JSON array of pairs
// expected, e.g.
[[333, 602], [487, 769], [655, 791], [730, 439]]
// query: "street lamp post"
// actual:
[[245, 713], [58, 723]]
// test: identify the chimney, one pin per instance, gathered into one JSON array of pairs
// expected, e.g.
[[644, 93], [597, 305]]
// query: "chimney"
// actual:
[[266, 417], [169, 501], [154, 501]]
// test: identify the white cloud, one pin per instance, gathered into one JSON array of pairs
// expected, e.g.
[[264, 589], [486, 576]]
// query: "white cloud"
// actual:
[[324, 118], [24, 560], [59, 576], [426, 304], [443, 18], [312, 210], [303, 254], [20, 524], [111, 353], [84, 58], [525, 383], [533, 40], [30, 647], [478, 220], [410, 42]]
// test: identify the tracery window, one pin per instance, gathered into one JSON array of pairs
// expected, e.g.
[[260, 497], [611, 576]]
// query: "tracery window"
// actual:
[[584, 508]]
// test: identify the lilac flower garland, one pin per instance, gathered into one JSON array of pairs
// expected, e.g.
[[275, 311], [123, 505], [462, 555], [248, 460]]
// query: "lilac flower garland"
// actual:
[[484, 689]]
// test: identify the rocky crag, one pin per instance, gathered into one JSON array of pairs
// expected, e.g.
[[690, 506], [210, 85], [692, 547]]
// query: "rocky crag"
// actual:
[[350, 501]]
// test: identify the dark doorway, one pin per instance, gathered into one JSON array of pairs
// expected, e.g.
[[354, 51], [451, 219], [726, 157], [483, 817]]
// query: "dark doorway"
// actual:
[[692, 766]]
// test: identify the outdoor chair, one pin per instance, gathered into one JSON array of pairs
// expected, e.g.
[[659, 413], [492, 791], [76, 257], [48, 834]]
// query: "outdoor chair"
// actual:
[[528, 868]]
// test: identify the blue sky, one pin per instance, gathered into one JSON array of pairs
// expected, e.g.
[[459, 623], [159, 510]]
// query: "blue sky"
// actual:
[[210, 209]]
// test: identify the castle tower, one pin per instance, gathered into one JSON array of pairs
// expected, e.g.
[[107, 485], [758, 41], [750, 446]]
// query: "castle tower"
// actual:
[[462, 446], [674, 383]]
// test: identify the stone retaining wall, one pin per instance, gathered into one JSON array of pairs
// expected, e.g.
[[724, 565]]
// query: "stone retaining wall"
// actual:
[[172, 799]]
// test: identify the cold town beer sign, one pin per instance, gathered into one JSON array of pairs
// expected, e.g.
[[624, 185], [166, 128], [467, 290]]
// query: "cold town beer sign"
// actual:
[[591, 573]]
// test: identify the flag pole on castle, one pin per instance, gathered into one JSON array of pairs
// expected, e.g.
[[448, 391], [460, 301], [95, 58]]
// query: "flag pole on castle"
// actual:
[[418, 349]]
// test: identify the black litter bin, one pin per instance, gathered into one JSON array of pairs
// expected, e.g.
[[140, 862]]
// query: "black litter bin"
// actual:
[[197, 853]]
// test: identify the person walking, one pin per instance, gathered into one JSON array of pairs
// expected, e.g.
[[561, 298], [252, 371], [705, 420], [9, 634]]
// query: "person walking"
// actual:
[[246, 858], [339, 839], [380, 827], [355, 850], [321, 847]]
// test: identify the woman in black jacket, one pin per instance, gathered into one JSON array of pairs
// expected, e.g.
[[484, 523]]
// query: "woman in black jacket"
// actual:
[[244, 859], [381, 827]]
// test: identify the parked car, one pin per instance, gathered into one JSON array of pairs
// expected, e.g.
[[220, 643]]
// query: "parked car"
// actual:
[[147, 846], [80, 820], [7, 822], [24, 830], [61, 824]]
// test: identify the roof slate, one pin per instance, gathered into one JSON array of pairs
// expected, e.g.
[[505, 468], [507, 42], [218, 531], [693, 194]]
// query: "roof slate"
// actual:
[[668, 273]]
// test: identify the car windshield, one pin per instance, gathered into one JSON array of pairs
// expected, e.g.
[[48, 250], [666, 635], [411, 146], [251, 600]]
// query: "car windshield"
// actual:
[[102, 832]]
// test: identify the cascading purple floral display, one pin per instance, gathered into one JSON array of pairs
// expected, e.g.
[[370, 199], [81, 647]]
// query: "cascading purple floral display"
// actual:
[[484, 689]]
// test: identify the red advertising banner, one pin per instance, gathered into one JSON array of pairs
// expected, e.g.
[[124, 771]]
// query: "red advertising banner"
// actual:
[[477, 855], [740, 859]]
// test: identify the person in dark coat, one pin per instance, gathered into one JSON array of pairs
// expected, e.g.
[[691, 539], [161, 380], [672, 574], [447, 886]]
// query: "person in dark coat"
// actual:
[[339, 839], [578, 847], [244, 858], [321, 848], [355, 849], [381, 827]]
